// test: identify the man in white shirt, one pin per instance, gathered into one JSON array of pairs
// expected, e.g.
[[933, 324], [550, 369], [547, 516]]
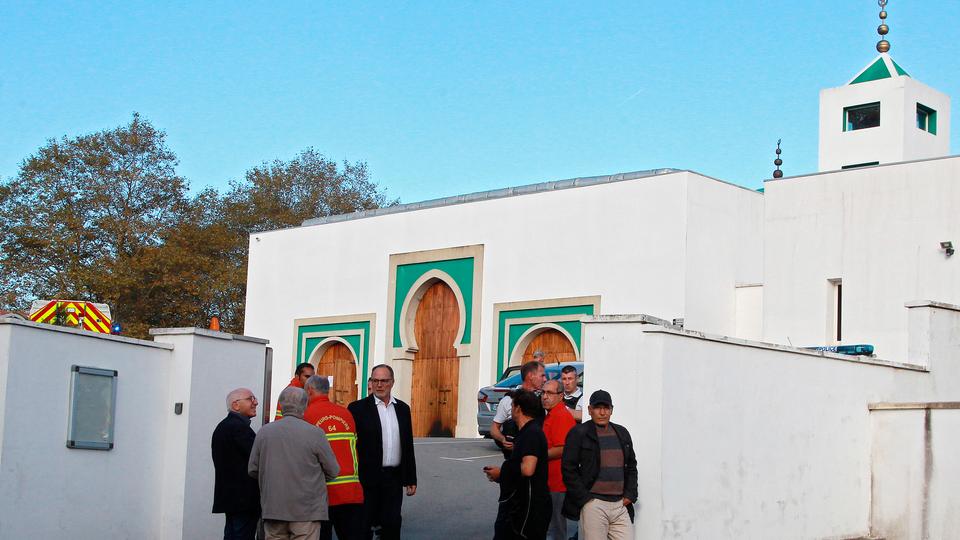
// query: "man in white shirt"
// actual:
[[387, 465]]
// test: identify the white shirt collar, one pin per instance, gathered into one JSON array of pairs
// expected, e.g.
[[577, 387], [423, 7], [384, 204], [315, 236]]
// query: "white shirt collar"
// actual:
[[393, 400]]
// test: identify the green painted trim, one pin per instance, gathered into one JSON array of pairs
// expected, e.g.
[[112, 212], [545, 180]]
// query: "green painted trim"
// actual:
[[303, 353], [900, 70], [878, 70], [461, 270], [517, 330]]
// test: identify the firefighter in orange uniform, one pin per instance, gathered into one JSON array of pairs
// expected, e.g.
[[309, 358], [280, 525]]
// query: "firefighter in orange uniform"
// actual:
[[304, 371], [344, 492]]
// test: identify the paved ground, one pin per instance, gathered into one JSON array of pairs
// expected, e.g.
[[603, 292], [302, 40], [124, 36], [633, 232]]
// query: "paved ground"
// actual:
[[454, 500]]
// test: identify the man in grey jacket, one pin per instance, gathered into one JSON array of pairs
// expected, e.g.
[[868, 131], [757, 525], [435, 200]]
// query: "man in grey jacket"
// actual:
[[292, 461]]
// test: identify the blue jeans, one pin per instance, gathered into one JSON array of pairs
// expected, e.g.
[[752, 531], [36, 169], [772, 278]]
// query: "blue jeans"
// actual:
[[241, 526]]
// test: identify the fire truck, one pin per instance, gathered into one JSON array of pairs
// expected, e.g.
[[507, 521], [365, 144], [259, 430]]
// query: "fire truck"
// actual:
[[76, 313]]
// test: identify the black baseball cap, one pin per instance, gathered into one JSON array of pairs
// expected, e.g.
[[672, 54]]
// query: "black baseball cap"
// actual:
[[601, 397]]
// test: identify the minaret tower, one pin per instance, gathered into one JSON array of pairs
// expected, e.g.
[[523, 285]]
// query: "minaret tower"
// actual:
[[882, 115]]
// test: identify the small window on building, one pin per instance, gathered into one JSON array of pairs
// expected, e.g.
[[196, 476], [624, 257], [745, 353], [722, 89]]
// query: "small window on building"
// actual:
[[861, 116], [93, 399], [926, 119], [835, 311]]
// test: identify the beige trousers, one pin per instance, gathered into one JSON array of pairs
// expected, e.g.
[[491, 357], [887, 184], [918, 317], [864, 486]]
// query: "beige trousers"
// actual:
[[603, 520], [291, 530]]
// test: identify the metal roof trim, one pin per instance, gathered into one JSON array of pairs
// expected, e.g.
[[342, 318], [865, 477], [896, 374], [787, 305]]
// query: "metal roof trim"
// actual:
[[490, 195]]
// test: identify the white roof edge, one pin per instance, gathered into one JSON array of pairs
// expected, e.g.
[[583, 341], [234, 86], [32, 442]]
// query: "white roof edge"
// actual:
[[854, 170], [84, 333], [187, 330], [932, 304], [505, 192], [656, 325], [501, 193]]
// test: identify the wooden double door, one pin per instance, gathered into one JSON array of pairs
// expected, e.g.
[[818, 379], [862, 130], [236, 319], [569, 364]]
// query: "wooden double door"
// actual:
[[337, 360], [554, 345], [436, 367]]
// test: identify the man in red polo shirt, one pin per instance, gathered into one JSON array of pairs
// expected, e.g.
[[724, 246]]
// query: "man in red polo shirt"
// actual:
[[344, 492], [558, 422]]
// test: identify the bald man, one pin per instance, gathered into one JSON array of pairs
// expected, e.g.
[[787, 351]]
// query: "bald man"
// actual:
[[234, 492]]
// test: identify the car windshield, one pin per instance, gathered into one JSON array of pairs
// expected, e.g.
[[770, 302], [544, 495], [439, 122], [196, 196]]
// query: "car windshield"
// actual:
[[511, 381]]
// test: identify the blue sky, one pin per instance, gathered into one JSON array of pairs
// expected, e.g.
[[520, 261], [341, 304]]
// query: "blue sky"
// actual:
[[443, 98]]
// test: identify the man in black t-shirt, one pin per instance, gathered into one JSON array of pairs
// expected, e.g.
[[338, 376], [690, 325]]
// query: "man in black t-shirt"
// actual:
[[524, 497]]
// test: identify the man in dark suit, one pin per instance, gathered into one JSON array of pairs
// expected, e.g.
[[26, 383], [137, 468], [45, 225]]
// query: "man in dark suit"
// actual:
[[235, 493], [387, 465]]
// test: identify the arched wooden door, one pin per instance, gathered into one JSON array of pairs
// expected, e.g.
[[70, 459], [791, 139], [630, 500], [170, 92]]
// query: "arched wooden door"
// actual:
[[555, 346], [436, 367], [338, 361]]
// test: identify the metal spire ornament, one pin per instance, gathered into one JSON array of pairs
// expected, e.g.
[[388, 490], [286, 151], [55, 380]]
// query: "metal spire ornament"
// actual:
[[778, 162], [883, 45]]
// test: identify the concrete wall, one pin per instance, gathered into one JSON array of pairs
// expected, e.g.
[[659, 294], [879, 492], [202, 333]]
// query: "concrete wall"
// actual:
[[740, 439], [915, 466], [207, 365], [627, 241], [877, 229], [156, 482]]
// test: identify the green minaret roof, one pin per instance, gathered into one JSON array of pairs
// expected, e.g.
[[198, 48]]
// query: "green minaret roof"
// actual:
[[882, 67]]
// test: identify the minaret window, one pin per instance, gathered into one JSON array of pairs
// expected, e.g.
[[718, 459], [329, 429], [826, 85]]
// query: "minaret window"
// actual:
[[926, 119], [861, 116]]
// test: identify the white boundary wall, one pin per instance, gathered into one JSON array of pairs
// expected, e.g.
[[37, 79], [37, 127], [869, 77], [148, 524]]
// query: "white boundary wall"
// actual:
[[741, 439], [157, 482]]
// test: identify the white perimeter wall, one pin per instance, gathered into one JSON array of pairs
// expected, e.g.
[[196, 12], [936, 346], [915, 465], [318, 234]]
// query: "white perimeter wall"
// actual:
[[157, 481], [625, 241], [206, 366], [740, 440], [879, 230]]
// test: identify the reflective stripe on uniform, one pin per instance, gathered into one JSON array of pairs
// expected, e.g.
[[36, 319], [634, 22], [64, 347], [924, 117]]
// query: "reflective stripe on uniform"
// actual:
[[343, 480], [352, 439]]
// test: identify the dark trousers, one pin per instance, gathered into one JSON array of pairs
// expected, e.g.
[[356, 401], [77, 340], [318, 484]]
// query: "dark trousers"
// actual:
[[241, 526], [381, 504], [346, 519], [501, 527]]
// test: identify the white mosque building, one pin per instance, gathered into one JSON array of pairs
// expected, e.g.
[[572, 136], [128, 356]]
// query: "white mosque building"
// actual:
[[451, 291], [693, 301], [696, 302]]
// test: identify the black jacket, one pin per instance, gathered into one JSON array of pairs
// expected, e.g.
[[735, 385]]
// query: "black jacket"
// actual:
[[370, 441], [234, 491], [580, 466]]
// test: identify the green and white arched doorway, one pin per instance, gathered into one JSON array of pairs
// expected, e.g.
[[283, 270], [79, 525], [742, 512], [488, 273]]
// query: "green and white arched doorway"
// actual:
[[551, 342], [551, 326], [337, 346], [433, 319], [334, 357]]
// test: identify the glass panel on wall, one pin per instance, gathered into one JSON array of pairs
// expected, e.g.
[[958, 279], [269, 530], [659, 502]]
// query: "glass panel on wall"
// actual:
[[93, 398]]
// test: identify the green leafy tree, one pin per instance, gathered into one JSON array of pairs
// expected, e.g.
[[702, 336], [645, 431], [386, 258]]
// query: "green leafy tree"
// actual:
[[82, 210], [283, 194], [105, 218]]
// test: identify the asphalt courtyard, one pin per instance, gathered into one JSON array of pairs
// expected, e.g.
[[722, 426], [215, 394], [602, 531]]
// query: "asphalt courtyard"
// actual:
[[454, 500]]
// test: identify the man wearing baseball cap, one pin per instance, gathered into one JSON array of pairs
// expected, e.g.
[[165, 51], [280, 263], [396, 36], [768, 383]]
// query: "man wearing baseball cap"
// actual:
[[600, 472]]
